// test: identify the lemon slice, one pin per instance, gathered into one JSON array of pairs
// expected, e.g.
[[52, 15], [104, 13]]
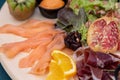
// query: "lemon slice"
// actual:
[[65, 62]]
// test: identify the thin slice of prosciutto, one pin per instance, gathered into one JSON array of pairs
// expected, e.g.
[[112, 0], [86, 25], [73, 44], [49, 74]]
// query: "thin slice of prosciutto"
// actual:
[[95, 65]]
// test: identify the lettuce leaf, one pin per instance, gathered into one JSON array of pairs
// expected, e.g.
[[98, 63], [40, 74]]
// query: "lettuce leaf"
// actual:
[[83, 30], [88, 5]]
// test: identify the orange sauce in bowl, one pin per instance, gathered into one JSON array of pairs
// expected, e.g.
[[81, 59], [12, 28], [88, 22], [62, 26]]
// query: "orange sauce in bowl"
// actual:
[[52, 4]]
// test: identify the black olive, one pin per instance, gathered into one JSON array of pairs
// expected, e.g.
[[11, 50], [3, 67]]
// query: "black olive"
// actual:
[[73, 40]]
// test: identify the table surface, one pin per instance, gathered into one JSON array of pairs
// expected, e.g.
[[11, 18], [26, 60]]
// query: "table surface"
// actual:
[[3, 74]]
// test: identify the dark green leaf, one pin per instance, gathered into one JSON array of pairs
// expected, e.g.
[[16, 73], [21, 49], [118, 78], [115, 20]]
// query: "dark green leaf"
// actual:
[[69, 21]]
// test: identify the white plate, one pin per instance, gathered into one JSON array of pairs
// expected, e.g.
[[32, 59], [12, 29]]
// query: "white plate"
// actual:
[[11, 65]]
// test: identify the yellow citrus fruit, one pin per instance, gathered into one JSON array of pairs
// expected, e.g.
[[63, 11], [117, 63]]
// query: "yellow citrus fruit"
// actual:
[[55, 72], [65, 62]]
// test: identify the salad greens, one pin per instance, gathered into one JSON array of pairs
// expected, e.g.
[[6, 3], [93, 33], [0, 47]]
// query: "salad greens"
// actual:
[[95, 8], [89, 6], [74, 17], [83, 30], [70, 22]]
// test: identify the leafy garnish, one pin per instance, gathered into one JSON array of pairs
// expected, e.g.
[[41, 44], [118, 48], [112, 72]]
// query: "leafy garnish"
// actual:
[[94, 8], [83, 30], [70, 22], [90, 5]]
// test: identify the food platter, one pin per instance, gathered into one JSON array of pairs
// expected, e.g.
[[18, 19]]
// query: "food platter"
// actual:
[[89, 37], [11, 65]]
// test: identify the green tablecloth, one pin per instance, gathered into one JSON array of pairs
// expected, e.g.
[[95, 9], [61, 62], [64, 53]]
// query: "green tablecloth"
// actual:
[[3, 74]]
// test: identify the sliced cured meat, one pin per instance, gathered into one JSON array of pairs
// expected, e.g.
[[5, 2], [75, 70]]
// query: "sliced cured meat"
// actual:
[[28, 29], [34, 56], [31, 24], [42, 39], [95, 65], [42, 65], [12, 49], [67, 51]]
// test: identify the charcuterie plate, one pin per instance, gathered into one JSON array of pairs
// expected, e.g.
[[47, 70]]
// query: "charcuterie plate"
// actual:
[[88, 38], [11, 65]]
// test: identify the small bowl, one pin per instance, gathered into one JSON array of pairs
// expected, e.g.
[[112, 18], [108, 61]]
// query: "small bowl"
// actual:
[[50, 13], [38, 2]]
